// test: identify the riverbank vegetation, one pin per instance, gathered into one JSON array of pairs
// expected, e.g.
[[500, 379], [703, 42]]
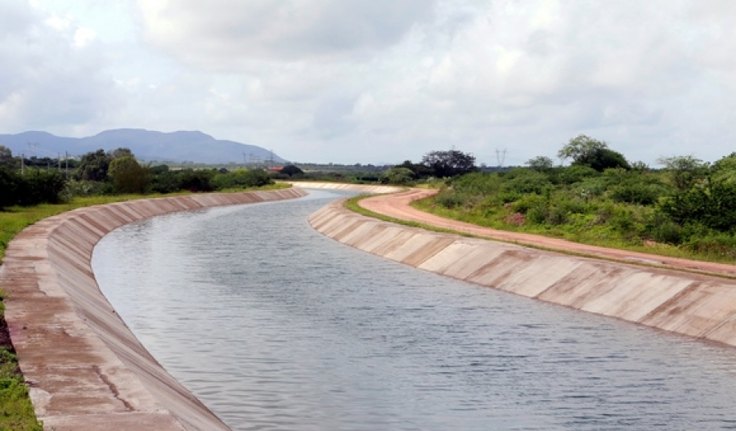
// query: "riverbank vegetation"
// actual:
[[686, 209]]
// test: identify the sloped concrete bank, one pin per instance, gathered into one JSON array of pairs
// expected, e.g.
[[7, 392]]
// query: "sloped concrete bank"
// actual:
[[690, 304], [86, 370]]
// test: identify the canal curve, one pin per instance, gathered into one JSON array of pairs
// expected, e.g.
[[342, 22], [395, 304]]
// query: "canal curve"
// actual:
[[274, 326]]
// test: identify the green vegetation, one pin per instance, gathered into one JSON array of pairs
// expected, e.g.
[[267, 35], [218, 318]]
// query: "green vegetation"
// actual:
[[687, 209], [16, 410], [26, 182]]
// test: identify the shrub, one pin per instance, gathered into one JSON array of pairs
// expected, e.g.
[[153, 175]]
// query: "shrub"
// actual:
[[526, 181], [662, 229], [195, 180], [83, 188], [9, 182], [241, 178], [575, 173], [719, 244], [166, 181], [397, 175], [40, 185], [636, 193], [128, 176], [448, 199]]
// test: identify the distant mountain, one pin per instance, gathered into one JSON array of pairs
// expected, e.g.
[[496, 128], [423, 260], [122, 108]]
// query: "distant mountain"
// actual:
[[147, 145]]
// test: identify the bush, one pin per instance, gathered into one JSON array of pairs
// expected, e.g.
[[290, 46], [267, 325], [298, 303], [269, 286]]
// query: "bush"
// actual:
[[74, 188], [662, 229], [636, 193], [524, 181], [241, 178], [449, 199], [196, 180], [38, 186], [9, 182], [714, 206], [575, 174], [128, 176], [165, 181], [717, 244], [397, 175]]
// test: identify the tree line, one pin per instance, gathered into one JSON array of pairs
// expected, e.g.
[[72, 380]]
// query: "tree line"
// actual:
[[603, 198], [31, 181]]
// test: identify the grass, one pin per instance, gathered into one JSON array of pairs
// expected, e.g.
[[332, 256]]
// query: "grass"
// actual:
[[16, 409], [426, 205], [591, 235]]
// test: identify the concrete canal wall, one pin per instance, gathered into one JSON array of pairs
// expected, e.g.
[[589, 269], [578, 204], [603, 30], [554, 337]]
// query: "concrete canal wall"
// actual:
[[690, 304], [86, 370]]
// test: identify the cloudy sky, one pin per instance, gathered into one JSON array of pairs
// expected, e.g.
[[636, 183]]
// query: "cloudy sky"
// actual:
[[380, 81]]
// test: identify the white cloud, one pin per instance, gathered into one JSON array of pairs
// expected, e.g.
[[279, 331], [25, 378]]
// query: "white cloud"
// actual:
[[52, 75], [83, 36], [220, 33], [381, 80]]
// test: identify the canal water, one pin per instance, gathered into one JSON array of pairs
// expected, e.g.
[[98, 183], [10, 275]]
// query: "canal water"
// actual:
[[276, 327]]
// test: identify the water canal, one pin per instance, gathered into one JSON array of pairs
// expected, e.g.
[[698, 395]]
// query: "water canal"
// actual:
[[276, 327]]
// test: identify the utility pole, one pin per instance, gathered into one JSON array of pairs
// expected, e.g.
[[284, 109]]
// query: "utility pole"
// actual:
[[22, 163]]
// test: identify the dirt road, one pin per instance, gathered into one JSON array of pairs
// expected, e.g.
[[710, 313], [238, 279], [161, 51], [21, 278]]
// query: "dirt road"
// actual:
[[397, 205]]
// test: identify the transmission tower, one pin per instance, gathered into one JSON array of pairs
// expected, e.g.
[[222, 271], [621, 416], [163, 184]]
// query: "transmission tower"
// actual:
[[500, 157]]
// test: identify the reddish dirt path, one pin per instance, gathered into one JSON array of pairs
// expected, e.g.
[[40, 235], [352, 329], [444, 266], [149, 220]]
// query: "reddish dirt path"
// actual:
[[397, 205]]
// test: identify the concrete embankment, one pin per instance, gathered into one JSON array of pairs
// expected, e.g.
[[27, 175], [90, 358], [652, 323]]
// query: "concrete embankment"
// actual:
[[686, 303], [86, 370], [359, 188]]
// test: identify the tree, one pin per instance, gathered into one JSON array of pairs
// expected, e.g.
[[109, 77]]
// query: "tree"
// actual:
[[419, 170], [397, 175], [604, 158], [292, 170], [120, 152], [724, 169], [6, 159], [9, 185], [128, 176], [586, 151], [685, 171], [449, 163], [540, 163], [93, 166]]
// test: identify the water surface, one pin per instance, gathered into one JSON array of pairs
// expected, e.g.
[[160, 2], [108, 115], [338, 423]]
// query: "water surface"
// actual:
[[276, 327]]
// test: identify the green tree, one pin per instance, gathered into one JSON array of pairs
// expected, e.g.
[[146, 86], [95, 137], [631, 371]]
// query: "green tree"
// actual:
[[586, 151], [397, 175], [540, 163], [685, 171], [128, 176], [449, 163], [6, 159], [196, 180], [9, 186], [93, 166], [292, 170], [41, 185], [724, 170], [120, 152]]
